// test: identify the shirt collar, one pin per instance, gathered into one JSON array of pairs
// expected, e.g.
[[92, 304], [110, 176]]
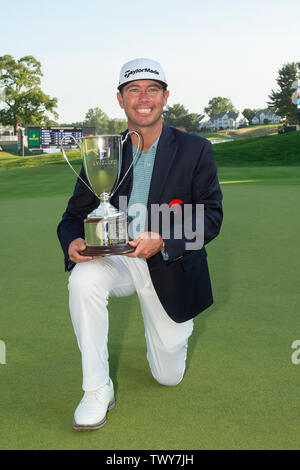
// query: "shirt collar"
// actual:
[[153, 146]]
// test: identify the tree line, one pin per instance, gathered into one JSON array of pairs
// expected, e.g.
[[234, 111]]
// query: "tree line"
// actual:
[[98, 119], [22, 102]]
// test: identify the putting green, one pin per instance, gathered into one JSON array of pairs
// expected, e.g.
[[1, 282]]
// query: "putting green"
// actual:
[[241, 389], [237, 181]]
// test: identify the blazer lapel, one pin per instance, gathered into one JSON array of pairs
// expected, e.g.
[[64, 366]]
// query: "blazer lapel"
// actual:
[[164, 158], [165, 155]]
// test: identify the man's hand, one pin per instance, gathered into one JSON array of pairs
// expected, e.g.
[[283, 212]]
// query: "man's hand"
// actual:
[[75, 247], [146, 245]]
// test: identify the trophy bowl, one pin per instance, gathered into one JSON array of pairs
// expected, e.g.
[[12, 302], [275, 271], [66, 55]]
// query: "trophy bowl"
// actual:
[[106, 227]]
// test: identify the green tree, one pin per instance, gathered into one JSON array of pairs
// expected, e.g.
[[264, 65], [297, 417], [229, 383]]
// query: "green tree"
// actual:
[[175, 115], [281, 100], [97, 118], [219, 104], [116, 126], [24, 101], [178, 116], [249, 113], [192, 122]]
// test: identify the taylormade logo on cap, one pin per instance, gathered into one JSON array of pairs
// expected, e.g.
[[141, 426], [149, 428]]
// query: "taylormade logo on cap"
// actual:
[[132, 72], [141, 69]]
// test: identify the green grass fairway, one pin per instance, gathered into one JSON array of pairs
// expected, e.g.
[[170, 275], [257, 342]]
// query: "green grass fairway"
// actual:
[[241, 389], [269, 150]]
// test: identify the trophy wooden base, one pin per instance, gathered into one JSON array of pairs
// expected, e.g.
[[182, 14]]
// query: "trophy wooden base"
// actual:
[[107, 250]]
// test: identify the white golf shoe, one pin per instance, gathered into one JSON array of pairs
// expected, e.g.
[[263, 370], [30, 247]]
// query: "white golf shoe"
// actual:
[[92, 410]]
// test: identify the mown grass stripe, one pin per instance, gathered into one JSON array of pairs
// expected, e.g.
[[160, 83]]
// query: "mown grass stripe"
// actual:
[[241, 181]]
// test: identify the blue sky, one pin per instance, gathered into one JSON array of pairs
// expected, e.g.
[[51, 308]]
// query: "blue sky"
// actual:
[[220, 48]]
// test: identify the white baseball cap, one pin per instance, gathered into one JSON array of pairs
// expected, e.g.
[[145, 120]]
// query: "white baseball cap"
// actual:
[[141, 69]]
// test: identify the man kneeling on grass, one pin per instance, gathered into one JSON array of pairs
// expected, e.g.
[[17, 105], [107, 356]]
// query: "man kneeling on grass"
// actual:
[[169, 274]]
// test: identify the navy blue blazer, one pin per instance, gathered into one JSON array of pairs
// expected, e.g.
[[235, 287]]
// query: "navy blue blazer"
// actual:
[[184, 169]]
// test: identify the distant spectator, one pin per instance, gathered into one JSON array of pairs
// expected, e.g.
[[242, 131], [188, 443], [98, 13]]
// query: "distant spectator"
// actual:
[[282, 129]]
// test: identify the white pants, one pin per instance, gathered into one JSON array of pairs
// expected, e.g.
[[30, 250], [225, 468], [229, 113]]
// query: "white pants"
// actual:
[[90, 285]]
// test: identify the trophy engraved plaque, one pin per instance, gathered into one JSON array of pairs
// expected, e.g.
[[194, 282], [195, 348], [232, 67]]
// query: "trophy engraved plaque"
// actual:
[[105, 228]]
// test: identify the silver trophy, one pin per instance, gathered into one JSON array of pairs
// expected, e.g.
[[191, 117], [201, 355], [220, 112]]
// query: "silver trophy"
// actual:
[[106, 227]]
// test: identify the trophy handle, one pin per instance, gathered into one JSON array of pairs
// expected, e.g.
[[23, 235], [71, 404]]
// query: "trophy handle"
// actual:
[[133, 160], [66, 158]]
